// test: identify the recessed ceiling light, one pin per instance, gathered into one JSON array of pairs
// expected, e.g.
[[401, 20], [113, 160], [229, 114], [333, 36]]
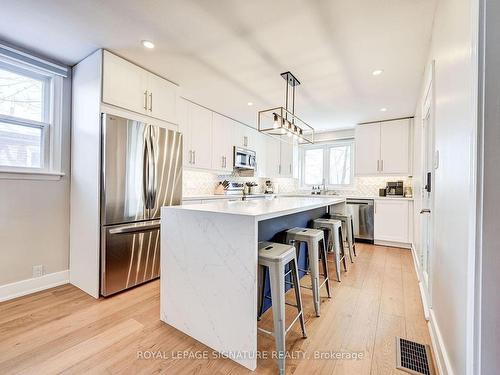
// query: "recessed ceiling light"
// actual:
[[250, 104], [148, 44], [377, 72], [383, 109]]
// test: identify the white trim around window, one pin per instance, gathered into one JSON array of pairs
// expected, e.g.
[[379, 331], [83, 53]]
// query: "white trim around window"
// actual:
[[50, 123], [325, 178]]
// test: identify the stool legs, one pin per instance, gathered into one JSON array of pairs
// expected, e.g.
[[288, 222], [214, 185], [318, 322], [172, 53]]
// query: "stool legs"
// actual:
[[325, 268], [313, 252], [342, 249], [352, 239], [262, 285], [278, 296], [298, 298]]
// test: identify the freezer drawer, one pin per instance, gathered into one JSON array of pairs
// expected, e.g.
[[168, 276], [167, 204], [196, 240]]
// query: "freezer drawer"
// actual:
[[130, 255]]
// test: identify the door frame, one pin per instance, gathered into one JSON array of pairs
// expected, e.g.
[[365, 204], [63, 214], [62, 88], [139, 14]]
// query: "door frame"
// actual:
[[428, 111]]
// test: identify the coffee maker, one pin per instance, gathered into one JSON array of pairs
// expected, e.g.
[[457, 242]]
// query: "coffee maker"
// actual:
[[394, 188], [269, 189]]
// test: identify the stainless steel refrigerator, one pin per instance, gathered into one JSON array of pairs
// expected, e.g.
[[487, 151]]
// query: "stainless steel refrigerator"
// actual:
[[141, 171]]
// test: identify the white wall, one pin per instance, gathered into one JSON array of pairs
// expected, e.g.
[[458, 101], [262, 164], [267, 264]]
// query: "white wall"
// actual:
[[453, 40], [34, 218]]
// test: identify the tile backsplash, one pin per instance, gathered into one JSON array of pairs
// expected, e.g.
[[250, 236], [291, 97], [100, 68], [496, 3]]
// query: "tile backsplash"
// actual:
[[196, 183]]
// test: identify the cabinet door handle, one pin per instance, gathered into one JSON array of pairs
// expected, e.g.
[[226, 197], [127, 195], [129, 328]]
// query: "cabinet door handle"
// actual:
[[146, 100], [194, 157], [151, 102], [290, 168], [245, 141], [190, 157]]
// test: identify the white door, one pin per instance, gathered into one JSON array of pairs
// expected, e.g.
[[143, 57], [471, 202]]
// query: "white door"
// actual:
[[395, 147], [286, 159], [124, 84], [367, 140], [201, 136], [162, 98], [427, 194], [222, 143]]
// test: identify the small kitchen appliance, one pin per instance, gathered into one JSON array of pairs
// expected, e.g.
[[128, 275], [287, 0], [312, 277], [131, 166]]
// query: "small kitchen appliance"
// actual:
[[269, 189], [394, 188]]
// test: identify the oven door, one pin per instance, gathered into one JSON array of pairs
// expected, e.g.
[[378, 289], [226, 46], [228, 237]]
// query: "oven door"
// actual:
[[130, 255]]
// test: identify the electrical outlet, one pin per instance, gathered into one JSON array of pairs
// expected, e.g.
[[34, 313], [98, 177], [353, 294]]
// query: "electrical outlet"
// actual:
[[38, 270]]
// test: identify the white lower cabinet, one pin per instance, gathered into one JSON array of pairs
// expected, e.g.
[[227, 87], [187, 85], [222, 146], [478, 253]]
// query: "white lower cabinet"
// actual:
[[391, 221]]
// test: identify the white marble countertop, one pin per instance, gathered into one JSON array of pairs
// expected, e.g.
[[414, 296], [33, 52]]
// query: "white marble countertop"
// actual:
[[263, 209], [296, 194], [221, 196]]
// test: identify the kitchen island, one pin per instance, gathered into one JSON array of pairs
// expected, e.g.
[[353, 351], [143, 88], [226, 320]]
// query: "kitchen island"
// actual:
[[208, 287]]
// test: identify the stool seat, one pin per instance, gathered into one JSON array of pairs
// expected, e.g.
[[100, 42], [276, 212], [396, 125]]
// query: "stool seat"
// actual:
[[275, 252], [303, 234]]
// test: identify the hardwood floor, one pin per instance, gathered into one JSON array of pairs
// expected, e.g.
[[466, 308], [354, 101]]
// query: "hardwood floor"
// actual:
[[63, 330]]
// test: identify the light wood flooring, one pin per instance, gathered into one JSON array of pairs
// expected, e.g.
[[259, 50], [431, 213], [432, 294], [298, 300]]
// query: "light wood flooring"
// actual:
[[63, 330]]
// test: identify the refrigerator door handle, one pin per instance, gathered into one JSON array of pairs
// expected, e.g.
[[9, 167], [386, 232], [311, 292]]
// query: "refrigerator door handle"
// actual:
[[152, 161], [145, 173], [135, 228]]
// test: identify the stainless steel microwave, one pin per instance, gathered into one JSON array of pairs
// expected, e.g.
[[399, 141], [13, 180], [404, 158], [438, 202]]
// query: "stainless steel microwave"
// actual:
[[244, 159]]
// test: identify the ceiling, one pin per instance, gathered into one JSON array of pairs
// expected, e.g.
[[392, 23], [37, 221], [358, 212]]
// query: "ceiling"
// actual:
[[226, 53]]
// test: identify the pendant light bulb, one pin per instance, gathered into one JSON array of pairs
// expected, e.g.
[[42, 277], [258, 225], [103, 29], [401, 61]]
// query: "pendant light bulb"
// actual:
[[275, 123]]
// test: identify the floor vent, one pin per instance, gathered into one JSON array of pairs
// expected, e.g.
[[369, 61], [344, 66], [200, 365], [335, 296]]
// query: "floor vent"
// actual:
[[413, 357]]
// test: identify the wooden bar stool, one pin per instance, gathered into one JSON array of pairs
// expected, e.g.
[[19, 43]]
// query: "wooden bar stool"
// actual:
[[334, 239], [274, 257], [312, 238]]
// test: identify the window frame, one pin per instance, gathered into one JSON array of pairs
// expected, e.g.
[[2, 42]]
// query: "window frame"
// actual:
[[51, 124], [326, 164]]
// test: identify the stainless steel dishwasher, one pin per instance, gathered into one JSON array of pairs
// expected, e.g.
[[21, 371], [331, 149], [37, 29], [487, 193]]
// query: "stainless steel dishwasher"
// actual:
[[362, 217]]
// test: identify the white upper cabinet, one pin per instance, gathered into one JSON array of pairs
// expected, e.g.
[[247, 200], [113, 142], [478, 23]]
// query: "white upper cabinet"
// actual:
[[395, 147], [383, 148], [245, 136], [286, 159], [196, 127], [272, 157], [162, 96], [124, 84], [200, 134], [222, 143], [391, 221], [130, 87], [367, 141]]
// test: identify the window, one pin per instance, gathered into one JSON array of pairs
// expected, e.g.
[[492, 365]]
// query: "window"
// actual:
[[29, 118], [330, 164]]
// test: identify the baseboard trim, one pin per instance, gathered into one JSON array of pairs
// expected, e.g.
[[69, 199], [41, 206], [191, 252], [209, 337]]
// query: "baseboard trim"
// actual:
[[440, 355], [28, 286], [423, 295], [393, 244], [441, 358]]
